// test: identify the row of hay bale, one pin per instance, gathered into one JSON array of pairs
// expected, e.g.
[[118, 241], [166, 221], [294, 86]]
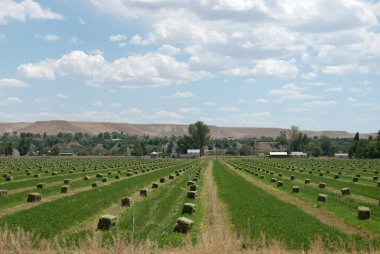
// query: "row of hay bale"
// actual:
[[363, 212], [108, 221], [184, 224]]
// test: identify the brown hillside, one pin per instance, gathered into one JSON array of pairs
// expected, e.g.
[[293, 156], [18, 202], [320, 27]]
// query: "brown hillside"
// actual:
[[93, 128]]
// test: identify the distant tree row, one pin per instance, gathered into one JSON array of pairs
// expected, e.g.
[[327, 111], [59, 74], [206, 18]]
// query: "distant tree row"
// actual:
[[365, 148]]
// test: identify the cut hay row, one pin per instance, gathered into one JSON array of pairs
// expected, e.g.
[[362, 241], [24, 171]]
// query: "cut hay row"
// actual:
[[49, 219], [256, 212], [342, 206]]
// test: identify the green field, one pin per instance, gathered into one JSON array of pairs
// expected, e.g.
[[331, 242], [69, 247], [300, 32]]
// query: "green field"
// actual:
[[255, 195]]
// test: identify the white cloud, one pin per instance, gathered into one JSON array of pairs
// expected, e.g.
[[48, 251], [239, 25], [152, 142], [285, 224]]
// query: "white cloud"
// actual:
[[242, 101], [138, 40], [116, 104], [11, 100], [98, 104], [180, 95], [47, 37], [169, 50], [261, 101], [117, 38], [309, 76], [166, 114], [344, 69], [268, 67], [60, 96], [291, 92], [190, 110], [23, 10], [5, 82], [150, 69], [320, 103], [228, 109], [210, 104], [296, 110], [351, 100]]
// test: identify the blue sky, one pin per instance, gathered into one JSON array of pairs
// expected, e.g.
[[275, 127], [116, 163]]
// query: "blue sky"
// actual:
[[249, 63]]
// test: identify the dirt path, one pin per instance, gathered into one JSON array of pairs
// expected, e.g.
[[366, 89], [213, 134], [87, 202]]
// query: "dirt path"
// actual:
[[216, 236], [322, 215]]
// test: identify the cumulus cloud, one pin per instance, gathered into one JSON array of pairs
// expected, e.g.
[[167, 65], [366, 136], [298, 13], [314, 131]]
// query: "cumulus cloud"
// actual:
[[23, 10], [344, 69], [268, 67], [117, 38], [47, 37], [180, 95], [98, 104], [261, 101], [151, 69], [291, 92], [10, 82], [228, 109], [11, 100]]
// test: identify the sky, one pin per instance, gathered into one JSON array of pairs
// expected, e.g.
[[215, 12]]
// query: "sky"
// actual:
[[243, 63]]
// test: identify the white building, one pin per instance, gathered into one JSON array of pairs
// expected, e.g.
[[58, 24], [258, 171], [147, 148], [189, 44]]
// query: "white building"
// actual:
[[278, 154], [298, 154], [341, 155], [194, 152], [154, 155]]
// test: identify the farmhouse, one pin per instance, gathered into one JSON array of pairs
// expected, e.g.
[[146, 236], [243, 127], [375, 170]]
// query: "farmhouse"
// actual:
[[298, 154], [194, 152], [341, 155], [278, 154]]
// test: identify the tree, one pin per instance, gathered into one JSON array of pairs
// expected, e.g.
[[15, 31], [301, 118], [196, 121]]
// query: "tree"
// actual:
[[356, 138], [282, 139], [8, 149], [200, 134], [24, 146]]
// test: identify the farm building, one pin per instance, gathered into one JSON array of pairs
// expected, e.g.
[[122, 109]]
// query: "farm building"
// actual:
[[341, 155], [278, 154], [298, 154], [194, 152], [154, 155]]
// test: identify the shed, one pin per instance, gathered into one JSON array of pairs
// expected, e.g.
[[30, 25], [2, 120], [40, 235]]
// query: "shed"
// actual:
[[341, 155], [278, 154], [298, 154], [194, 152], [154, 155]]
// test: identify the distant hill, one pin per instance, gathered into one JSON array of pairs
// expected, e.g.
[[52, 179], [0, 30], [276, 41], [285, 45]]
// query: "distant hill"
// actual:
[[93, 128]]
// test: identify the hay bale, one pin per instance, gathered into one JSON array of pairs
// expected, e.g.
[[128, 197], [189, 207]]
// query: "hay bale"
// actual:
[[364, 213], [94, 185], [322, 197], [280, 184], [322, 185], [66, 181], [375, 178], [34, 197], [321, 174], [117, 176], [336, 176], [355, 179], [104, 179], [295, 189], [8, 178], [273, 180], [378, 184], [143, 192], [154, 185], [193, 187], [292, 177], [40, 185], [307, 181], [109, 173], [177, 174], [171, 177], [64, 189], [183, 225], [262, 176], [99, 175], [195, 179], [126, 202], [346, 191], [3, 193], [190, 183], [54, 173], [86, 178], [106, 222], [192, 194], [189, 208], [162, 180]]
